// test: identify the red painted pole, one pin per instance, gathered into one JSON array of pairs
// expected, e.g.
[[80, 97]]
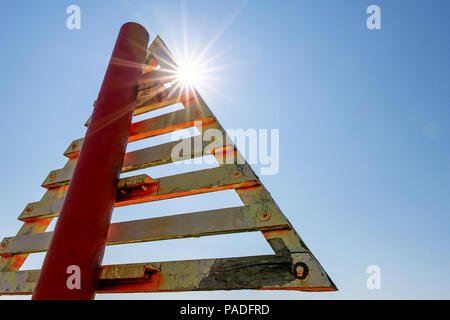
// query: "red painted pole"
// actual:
[[76, 250]]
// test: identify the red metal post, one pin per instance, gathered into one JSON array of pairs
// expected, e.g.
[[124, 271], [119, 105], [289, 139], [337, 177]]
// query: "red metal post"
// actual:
[[76, 250]]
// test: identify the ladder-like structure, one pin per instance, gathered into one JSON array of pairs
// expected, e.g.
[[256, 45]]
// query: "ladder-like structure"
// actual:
[[292, 267]]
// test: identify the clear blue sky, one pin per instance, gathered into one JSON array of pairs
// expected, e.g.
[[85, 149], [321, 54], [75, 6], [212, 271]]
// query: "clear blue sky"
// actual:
[[363, 115]]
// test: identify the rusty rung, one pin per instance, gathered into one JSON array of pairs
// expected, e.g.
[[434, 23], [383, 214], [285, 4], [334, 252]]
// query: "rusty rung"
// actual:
[[268, 272]]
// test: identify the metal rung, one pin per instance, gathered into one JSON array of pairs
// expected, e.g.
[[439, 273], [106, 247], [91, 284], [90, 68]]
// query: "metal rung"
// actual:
[[73, 150], [139, 159], [170, 122], [257, 217], [156, 98], [50, 207], [180, 119], [60, 177], [160, 97], [295, 271], [156, 76], [225, 177], [162, 154]]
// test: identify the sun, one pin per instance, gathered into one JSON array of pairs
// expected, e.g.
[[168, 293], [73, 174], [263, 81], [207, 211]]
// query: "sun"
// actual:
[[194, 68], [192, 73], [189, 74]]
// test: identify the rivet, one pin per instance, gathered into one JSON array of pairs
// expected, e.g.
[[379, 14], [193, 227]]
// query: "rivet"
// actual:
[[263, 216]]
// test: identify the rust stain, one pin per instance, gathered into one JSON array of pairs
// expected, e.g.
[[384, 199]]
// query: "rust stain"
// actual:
[[152, 197]]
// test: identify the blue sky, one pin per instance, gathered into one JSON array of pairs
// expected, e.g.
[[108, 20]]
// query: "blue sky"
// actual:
[[363, 116]]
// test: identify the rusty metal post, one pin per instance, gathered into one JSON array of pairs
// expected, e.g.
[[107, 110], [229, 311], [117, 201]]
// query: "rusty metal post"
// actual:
[[76, 250]]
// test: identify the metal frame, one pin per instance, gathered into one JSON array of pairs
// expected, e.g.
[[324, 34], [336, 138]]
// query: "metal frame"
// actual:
[[292, 267]]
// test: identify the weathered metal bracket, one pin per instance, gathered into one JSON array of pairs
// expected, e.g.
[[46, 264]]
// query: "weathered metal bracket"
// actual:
[[131, 275], [269, 272]]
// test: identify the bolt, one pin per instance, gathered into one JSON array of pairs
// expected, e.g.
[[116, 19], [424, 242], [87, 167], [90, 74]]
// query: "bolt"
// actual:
[[300, 270]]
